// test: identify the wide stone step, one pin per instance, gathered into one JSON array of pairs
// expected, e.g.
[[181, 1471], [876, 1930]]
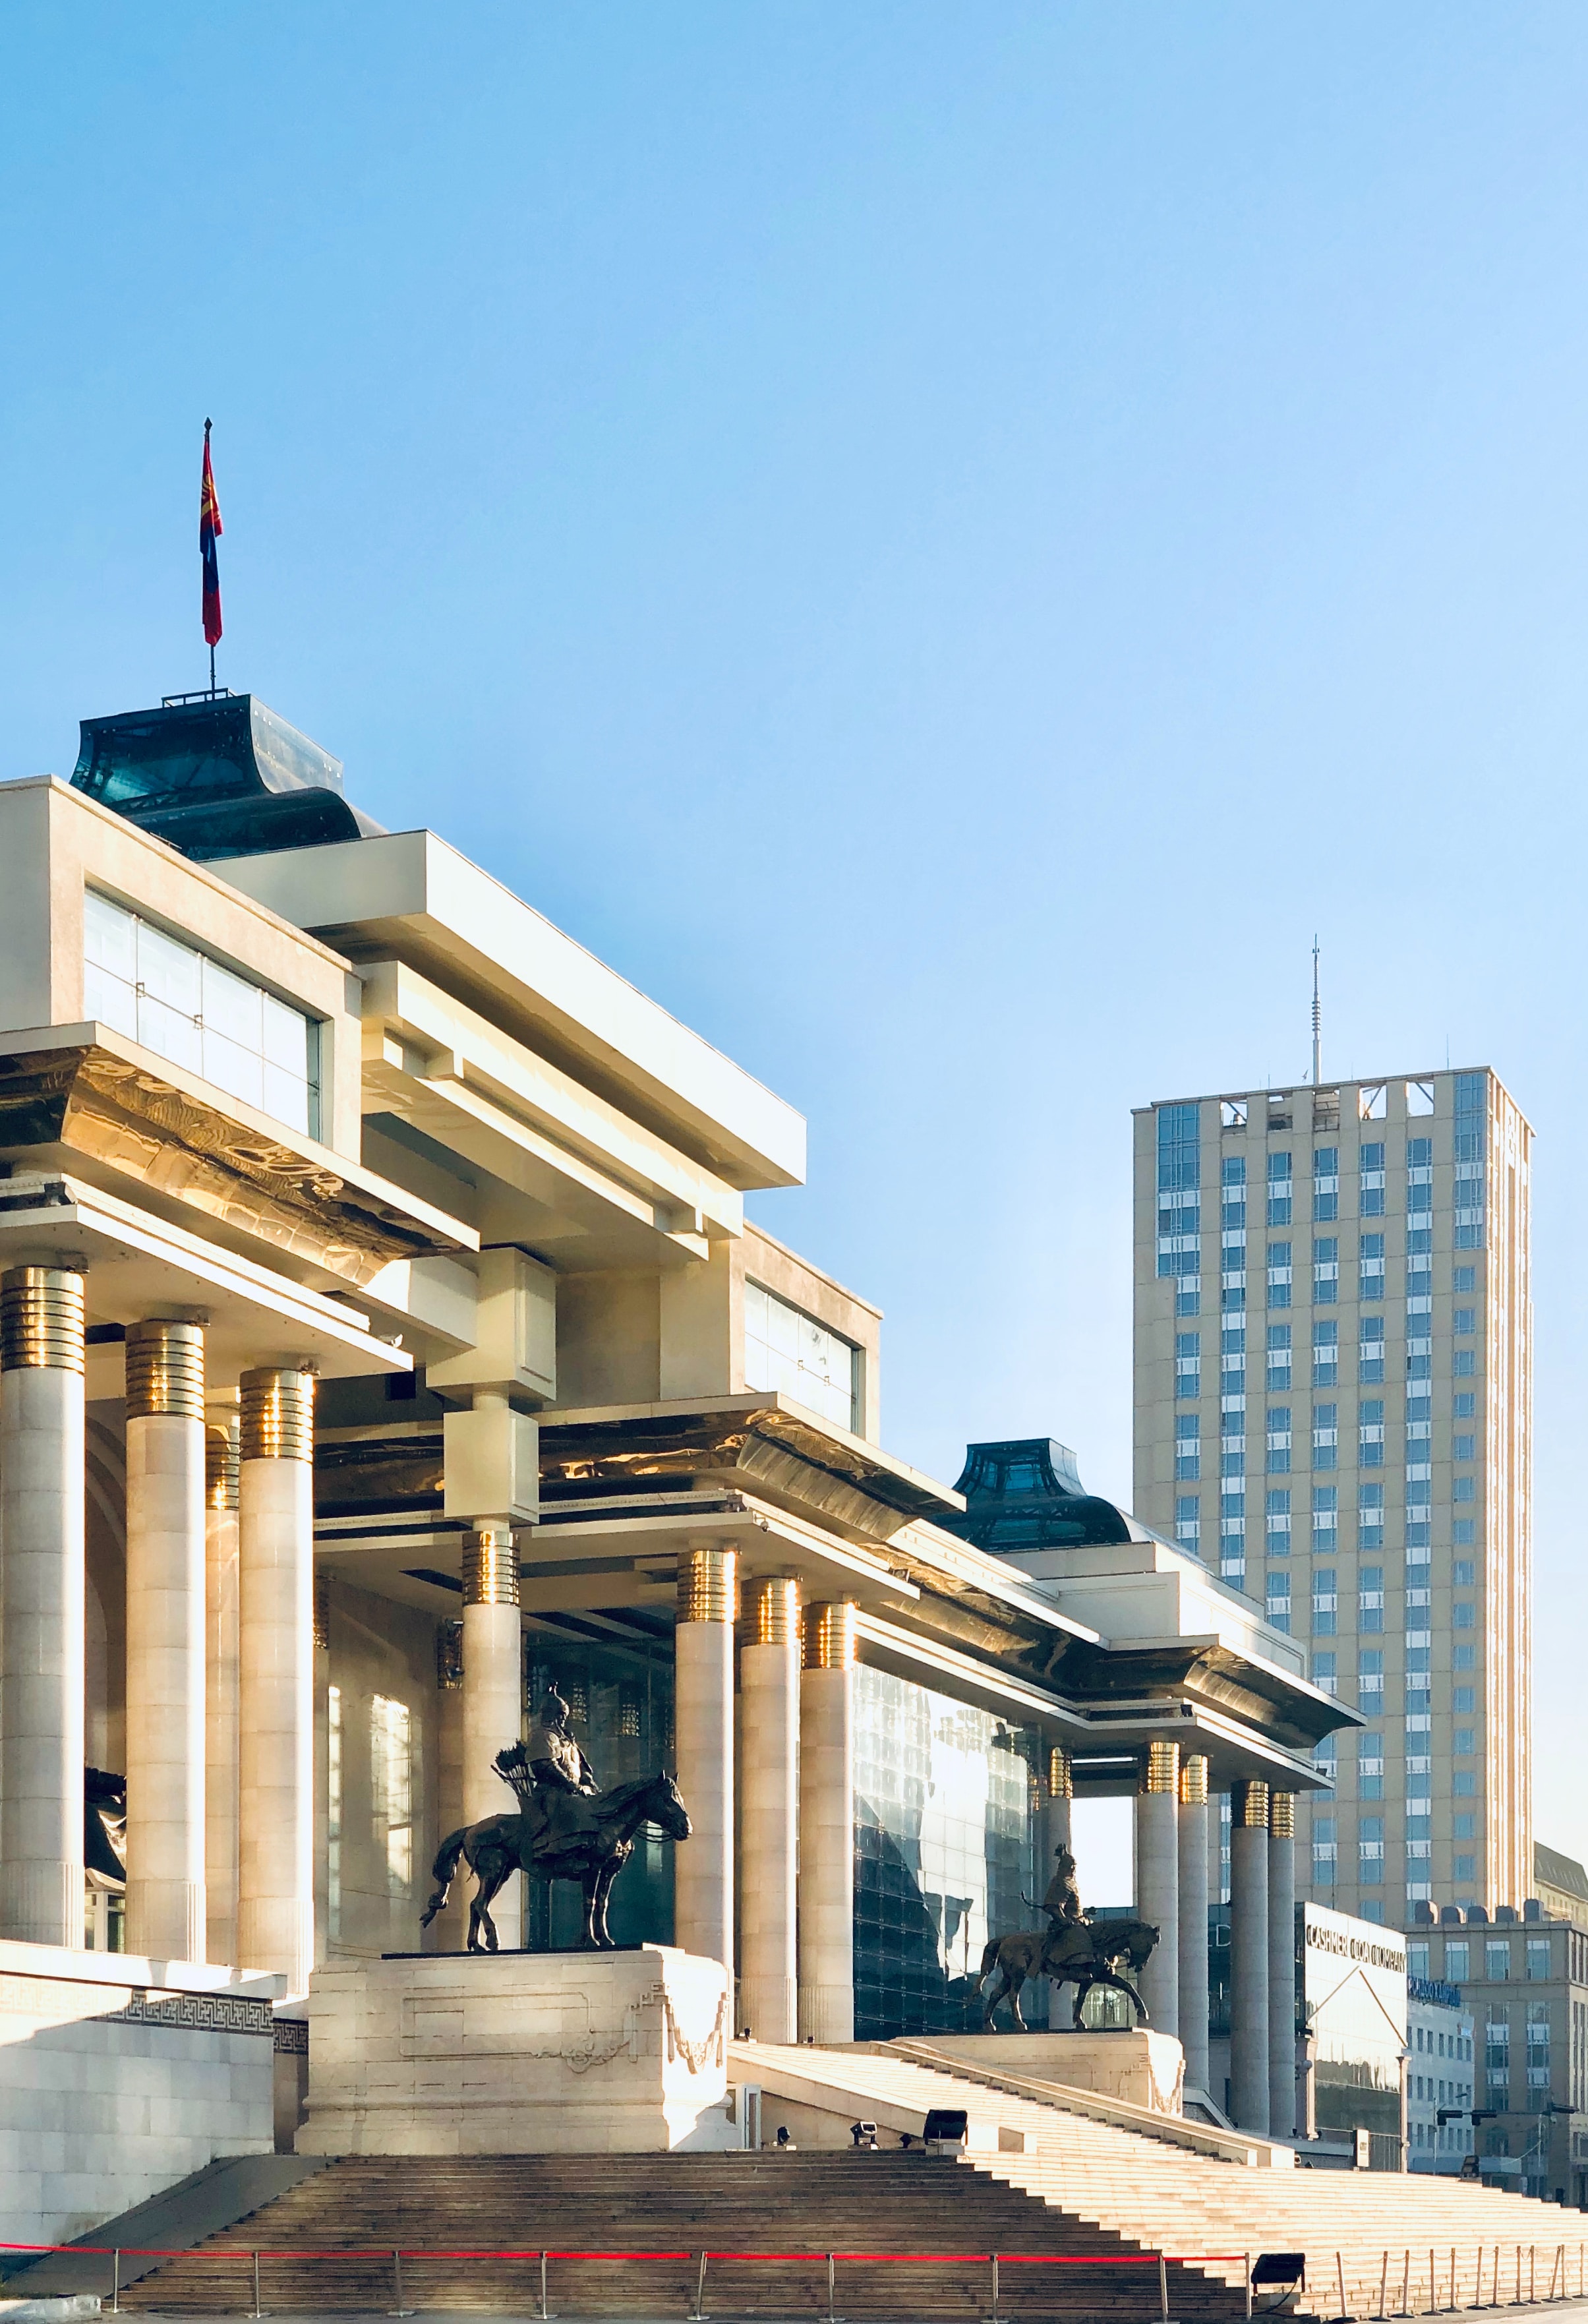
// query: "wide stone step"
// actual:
[[924, 2226]]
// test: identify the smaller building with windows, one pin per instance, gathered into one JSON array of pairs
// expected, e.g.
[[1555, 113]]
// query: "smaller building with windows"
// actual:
[[1440, 2069], [1523, 1979]]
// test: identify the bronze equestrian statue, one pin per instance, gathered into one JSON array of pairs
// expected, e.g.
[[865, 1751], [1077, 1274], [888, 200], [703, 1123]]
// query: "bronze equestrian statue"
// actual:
[[1072, 1949], [565, 1829]]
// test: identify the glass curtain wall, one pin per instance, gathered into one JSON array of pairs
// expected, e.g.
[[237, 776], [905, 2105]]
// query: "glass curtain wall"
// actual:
[[944, 1856]]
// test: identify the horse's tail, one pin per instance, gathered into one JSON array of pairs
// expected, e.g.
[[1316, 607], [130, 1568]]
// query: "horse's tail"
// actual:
[[443, 1871], [989, 1959]]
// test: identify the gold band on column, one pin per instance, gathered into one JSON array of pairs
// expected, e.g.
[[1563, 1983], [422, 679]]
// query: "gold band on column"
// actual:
[[1161, 1770], [165, 1370], [490, 1567], [42, 1319], [769, 1609], [706, 1579], [277, 1415], [1061, 1774], [449, 1656], [830, 1634], [221, 1447], [1282, 1815], [1249, 1806], [1193, 1780]]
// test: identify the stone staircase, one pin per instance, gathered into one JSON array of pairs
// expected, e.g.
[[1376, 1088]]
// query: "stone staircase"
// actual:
[[324, 2246], [1358, 2230]]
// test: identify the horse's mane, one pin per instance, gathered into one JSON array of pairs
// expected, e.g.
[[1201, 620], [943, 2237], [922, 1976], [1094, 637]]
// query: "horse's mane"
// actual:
[[623, 1796]]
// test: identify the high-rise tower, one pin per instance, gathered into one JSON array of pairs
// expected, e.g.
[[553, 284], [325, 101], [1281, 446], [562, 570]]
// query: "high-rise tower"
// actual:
[[1334, 1400]]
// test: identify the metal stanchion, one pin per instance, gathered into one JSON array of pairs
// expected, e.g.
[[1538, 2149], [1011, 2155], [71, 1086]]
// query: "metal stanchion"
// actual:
[[831, 2318], [399, 2308], [545, 2311], [1248, 2259], [697, 2312], [995, 2317], [256, 2310], [1163, 2290], [115, 2284]]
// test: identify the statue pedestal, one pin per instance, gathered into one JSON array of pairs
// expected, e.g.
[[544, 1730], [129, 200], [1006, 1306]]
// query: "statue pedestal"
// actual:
[[1137, 2066], [518, 2053]]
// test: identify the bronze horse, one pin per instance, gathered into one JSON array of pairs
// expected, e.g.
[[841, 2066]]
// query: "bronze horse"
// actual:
[[566, 1836], [1082, 1953]]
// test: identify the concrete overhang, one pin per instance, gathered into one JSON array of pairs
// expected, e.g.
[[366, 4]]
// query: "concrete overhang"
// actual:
[[139, 1265], [761, 1441], [410, 896], [84, 1099], [433, 1062], [602, 1556]]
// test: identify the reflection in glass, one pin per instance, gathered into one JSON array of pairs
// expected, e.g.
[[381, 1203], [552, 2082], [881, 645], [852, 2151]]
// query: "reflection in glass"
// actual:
[[944, 1856]]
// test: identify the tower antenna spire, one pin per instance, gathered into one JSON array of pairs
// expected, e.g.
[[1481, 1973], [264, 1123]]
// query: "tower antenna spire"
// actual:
[[1317, 1022]]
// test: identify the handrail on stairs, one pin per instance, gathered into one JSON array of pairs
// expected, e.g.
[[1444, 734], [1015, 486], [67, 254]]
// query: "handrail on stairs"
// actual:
[[1174, 2130]]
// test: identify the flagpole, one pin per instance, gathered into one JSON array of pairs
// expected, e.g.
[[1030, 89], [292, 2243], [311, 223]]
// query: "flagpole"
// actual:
[[212, 649]]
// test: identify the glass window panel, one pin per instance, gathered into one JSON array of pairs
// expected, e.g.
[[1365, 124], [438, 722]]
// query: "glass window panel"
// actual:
[[286, 1034], [110, 937], [234, 1068], [170, 1033], [288, 1100], [109, 1000], [169, 971], [234, 1008]]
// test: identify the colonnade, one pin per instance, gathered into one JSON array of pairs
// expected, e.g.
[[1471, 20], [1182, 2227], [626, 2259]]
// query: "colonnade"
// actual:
[[795, 1821], [219, 1676], [1174, 1857]]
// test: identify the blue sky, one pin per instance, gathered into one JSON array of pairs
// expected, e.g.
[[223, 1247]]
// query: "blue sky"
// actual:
[[943, 542]]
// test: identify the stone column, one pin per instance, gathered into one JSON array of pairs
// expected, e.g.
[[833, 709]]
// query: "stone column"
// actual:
[[826, 1825], [769, 1808], [322, 1768], [275, 1567], [448, 1931], [1282, 1964], [1054, 1832], [703, 1723], [1193, 1862], [42, 1627], [221, 1716], [1157, 1881], [493, 1693], [167, 1916], [1248, 1956]]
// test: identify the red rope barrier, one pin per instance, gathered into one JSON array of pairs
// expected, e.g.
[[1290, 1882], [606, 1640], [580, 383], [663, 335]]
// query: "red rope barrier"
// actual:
[[247, 2252]]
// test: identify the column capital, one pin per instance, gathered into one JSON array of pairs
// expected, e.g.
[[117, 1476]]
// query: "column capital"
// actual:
[[769, 1609], [830, 1634], [42, 1319], [277, 1414], [1249, 1806], [164, 1369], [1193, 1780], [1061, 1773], [1160, 1771], [707, 1583], [1282, 1815], [490, 1566]]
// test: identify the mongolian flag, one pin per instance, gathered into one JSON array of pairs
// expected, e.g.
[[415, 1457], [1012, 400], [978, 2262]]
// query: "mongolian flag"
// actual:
[[209, 532]]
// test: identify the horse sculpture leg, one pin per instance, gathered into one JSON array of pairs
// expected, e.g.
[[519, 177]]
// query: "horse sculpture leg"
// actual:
[[491, 1879], [1122, 1984]]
